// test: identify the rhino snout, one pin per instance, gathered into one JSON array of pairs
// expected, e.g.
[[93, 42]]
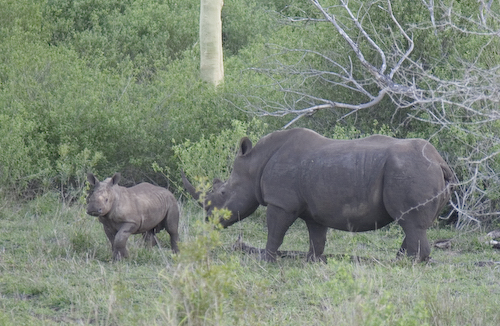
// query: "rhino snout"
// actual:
[[94, 212]]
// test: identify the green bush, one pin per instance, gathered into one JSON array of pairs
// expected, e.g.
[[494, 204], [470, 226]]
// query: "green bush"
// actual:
[[106, 86], [59, 118], [117, 34], [146, 35], [242, 23], [23, 17], [213, 156], [22, 158]]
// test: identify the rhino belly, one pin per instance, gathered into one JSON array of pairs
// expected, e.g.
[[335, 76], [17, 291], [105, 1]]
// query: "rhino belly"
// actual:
[[150, 217], [344, 190], [349, 213], [350, 216]]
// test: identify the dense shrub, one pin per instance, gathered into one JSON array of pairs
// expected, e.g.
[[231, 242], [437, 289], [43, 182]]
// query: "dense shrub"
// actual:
[[62, 118], [103, 86], [213, 156], [113, 85], [122, 34], [146, 35]]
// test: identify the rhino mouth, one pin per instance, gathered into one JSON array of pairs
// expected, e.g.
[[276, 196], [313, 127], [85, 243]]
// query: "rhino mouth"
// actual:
[[235, 217], [223, 221], [97, 213], [226, 223]]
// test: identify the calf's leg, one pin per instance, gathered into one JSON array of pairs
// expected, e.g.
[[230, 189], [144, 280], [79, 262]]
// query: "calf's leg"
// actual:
[[110, 233], [120, 243], [172, 226]]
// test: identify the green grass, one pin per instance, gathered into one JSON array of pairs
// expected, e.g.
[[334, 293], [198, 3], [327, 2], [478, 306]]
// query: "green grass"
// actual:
[[55, 268]]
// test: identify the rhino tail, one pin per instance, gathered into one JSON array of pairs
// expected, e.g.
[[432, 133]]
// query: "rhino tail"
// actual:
[[449, 176]]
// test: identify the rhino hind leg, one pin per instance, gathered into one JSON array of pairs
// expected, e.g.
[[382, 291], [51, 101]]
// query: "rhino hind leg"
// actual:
[[415, 213], [149, 237], [174, 238], [415, 243], [171, 225], [415, 223], [317, 240]]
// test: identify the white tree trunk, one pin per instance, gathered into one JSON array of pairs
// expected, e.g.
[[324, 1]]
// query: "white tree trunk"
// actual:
[[211, 62]]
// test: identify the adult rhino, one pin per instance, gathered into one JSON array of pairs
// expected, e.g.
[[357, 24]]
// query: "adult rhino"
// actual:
[[351, 185], [143, 208]]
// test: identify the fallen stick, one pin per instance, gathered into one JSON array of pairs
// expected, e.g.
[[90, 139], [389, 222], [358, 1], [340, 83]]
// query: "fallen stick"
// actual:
[[239, 245]]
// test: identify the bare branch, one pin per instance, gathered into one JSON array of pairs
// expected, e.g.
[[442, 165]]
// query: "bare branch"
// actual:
[[383, 65], [406, 55], [430, 6], [378, 73]]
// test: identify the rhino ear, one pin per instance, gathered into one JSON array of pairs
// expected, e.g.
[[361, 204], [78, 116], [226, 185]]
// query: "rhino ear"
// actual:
[[116, 178], [92, 179], [245, 146]]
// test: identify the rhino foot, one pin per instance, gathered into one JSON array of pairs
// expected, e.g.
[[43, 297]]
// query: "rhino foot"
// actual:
[[119, 254], [313, 258], [268, 256]]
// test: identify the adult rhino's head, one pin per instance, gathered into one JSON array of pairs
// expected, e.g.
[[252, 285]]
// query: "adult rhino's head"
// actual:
[[237, 194], [100, 202]]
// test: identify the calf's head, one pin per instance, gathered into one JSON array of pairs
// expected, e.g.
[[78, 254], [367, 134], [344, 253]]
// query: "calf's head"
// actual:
[[237, 194], [101, 200]]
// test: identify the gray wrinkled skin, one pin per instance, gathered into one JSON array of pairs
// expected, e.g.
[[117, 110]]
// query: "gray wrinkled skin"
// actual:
[[351, 185], [143, 208]]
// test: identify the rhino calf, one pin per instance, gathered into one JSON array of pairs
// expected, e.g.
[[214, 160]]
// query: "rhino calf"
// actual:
[[143, 208]]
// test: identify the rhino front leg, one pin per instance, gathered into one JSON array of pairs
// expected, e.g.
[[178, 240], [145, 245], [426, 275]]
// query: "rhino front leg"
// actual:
[[278, 222], [120, 244], [110, 233], [317, 240]]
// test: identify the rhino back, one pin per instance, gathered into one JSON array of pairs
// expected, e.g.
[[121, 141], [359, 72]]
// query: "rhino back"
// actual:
[[337, 183], [341, 183]]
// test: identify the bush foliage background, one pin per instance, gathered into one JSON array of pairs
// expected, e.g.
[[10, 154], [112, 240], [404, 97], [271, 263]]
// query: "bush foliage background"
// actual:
[[113, 86], [102, 85]]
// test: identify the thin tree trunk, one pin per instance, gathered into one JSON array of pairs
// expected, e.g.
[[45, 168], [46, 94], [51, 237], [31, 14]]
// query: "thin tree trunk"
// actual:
[[211, 62]]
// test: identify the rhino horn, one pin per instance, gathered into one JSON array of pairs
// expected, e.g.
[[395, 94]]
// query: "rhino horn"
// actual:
[[189, 187]]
